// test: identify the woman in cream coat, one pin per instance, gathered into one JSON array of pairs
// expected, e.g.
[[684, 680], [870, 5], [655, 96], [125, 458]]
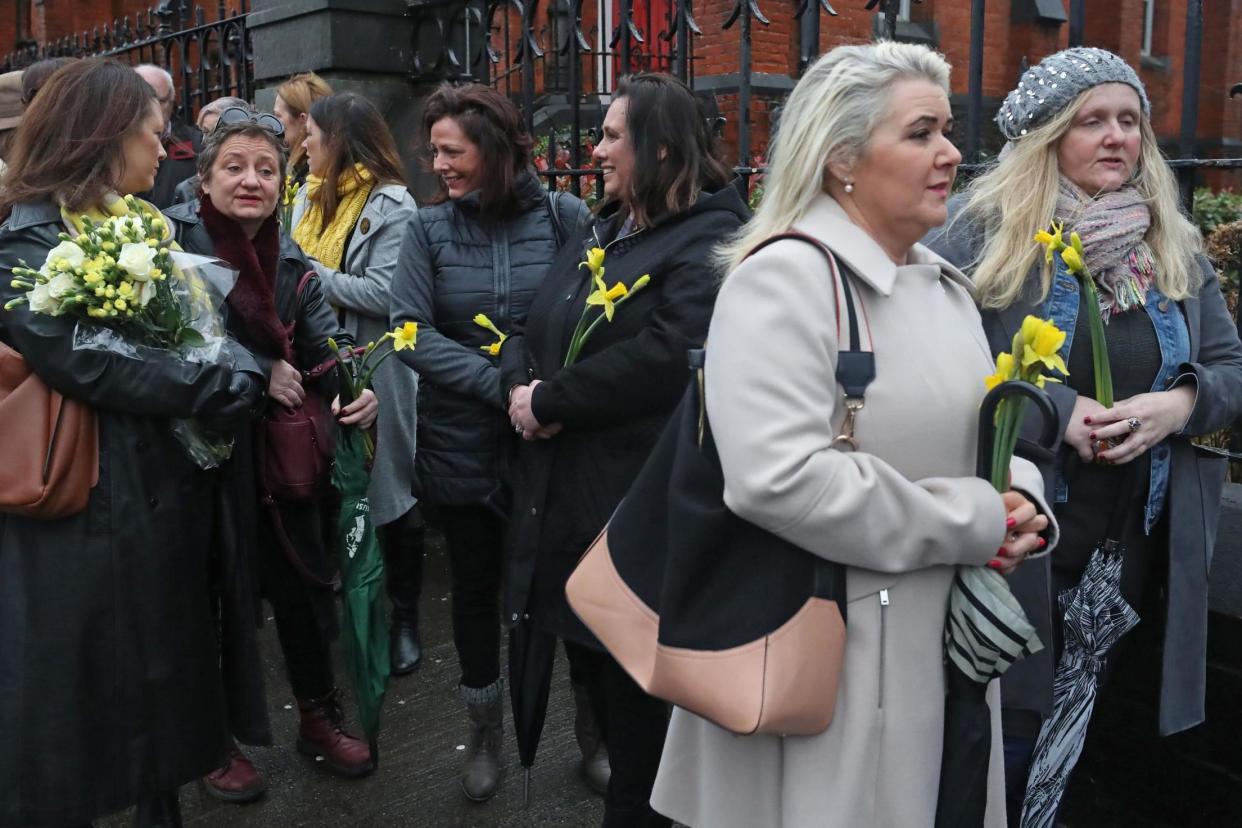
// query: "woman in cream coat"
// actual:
[[903, 510]]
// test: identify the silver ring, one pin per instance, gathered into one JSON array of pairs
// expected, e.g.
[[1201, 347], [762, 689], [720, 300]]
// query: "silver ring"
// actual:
[[517, 429], [1134, 423]]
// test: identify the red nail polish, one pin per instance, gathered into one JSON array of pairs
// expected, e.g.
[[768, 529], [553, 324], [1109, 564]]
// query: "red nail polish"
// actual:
[[1011, 522], [1042, 543], [1087, 420], [994, 564], [1092, 435]]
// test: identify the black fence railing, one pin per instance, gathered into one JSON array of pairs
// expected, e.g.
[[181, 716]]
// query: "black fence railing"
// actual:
[[560, 60], [207, 59]]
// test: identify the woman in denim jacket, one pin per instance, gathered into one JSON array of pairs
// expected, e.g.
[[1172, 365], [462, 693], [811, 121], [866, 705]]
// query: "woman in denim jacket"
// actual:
[[1082, 151]]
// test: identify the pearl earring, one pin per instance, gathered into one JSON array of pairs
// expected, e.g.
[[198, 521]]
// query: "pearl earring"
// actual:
[[849, 186]]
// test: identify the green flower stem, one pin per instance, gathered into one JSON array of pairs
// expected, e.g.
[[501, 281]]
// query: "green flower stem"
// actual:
[[575, 341], [579, 339], [1099, 345], [1010, 414]]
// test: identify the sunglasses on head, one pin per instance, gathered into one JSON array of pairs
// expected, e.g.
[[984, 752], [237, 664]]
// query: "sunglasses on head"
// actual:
[[237, 115]]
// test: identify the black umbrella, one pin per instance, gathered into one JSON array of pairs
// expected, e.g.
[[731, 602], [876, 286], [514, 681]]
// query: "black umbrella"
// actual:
[[531, 655], [985, 633], [1095, 616]]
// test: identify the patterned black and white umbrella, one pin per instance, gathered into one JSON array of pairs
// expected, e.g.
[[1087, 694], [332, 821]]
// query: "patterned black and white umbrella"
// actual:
[[1095, 618]]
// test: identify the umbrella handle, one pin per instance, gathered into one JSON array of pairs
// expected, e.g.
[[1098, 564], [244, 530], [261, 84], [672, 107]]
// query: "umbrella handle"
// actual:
[[1050, 423]]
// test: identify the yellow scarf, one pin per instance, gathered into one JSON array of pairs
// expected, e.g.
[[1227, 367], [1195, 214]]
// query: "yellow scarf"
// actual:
[[113, 205], [327, 244]]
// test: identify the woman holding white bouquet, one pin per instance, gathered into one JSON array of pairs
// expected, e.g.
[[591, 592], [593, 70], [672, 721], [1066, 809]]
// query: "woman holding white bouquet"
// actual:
[[110, 692]]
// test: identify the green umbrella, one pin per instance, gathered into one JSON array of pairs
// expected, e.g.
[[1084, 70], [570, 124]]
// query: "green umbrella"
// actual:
[[362, 576]]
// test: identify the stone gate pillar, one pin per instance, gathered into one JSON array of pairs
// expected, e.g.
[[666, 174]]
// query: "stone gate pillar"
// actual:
[[362, 46]]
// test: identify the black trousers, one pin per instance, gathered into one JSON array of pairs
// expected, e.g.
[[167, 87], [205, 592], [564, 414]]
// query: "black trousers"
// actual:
[[303, 608], [475, 538], [634, 726]]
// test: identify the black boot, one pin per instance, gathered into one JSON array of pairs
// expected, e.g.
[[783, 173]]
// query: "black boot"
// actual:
[[480, 773], [402, 544], [163, 811]]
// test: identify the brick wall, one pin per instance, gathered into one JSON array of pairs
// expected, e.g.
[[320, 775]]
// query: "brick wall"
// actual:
[[1115, 25]]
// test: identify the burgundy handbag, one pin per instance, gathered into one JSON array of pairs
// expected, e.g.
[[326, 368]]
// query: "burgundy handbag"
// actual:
[[296, 446]]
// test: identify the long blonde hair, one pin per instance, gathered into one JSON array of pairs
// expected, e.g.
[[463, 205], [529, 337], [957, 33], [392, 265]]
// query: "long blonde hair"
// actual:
[[829, 116], [1018, 196]]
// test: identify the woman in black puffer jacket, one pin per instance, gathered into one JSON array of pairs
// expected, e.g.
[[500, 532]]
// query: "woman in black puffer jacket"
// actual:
[[483, 249]]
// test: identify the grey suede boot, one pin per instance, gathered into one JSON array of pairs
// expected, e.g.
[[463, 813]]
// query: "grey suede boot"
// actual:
[[480, 774], [590, 736]]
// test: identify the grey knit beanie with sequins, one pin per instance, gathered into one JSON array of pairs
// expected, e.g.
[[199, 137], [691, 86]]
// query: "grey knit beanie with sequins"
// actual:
[[1053, 84]]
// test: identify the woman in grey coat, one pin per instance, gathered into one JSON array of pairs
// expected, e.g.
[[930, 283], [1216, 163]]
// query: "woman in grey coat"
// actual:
[[1082, 151], [353, 240]]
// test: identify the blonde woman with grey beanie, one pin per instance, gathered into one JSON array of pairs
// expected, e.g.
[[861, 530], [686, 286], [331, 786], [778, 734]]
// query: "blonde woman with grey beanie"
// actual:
[[1081, 151]]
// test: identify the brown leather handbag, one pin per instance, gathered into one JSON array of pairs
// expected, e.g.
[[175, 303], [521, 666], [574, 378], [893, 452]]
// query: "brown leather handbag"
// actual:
[[705, 609], [49, 445]]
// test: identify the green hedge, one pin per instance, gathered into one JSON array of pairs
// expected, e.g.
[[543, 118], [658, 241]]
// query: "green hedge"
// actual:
[[1213, 209]]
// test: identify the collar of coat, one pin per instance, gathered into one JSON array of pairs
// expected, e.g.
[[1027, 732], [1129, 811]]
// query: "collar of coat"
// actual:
[[825, 219]]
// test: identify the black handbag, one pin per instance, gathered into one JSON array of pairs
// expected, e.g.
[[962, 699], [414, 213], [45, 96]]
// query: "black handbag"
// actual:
[[707, 610]]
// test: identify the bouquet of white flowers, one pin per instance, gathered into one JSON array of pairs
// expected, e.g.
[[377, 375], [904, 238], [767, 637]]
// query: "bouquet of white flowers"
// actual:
[[130, 287]]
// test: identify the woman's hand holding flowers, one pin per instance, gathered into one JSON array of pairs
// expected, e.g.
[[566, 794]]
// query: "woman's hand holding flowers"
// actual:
[[1141, 422], [361, 412], [1023, 523], [285, 385]]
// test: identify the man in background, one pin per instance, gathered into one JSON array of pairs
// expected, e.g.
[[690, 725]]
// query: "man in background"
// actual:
[[182, 141]]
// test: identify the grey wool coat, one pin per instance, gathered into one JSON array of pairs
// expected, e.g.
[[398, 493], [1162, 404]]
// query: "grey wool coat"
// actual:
[[1196, 478], [901, 514], [360, 290]]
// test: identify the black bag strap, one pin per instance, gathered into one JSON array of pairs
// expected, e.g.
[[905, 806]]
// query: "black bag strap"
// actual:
[[855, 364], [553, 205], [290, 553]]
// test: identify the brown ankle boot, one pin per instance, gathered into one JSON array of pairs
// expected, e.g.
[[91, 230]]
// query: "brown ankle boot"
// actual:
[[238, 780], [322, 733]]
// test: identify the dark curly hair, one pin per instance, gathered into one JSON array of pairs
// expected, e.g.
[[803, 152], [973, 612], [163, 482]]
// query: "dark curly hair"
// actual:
[[492, 123]]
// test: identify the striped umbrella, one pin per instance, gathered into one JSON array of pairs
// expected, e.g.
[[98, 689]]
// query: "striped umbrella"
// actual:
[[1096, 617]]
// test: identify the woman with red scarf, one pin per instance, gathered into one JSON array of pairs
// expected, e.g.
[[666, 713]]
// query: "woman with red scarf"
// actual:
[[281, 316]]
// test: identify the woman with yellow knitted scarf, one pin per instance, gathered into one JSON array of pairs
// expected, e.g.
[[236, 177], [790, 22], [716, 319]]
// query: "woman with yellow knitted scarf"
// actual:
[[350, 220], [323, 238]]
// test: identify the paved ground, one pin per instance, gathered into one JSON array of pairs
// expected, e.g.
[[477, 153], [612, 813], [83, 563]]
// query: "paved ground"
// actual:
[[1135, 780], [416, 783]]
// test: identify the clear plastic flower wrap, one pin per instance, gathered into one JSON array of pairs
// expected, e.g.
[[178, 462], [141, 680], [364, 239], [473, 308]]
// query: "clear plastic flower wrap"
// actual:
[[189, 323]]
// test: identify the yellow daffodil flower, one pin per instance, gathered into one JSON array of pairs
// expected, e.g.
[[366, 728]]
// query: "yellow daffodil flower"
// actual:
[[482, 321], [405, 336], [607, 296], [1004, 370], [1073, 260], [594, 260], [1052, 242], [493, 349], [1043, 341]]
